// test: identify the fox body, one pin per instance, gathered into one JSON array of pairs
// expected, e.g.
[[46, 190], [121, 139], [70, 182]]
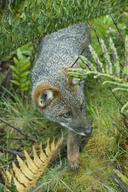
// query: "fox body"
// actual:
[[53, 95]]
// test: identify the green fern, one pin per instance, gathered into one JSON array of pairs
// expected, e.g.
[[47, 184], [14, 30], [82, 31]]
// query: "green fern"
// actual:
[[21, 68], [29, 20], [112, 70]]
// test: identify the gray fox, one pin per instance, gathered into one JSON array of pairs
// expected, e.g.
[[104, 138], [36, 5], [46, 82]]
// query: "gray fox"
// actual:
[[53, 95]]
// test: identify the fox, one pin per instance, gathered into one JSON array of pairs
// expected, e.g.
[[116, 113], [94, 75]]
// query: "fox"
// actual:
[[56, 96]]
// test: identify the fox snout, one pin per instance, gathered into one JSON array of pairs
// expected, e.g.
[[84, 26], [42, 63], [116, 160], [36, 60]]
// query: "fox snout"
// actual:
[[85, 131], [81, 128]]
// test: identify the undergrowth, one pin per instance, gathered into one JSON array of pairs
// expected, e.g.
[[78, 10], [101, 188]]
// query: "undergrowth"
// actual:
[[107, 148], [102, 153]]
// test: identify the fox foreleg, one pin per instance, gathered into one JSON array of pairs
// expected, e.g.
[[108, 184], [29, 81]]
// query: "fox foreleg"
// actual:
[[73, 150]]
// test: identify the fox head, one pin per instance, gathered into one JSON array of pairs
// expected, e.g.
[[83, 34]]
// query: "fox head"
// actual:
[[63, 102]]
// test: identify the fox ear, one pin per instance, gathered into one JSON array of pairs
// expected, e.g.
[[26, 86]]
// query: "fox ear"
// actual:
[[44, 94]]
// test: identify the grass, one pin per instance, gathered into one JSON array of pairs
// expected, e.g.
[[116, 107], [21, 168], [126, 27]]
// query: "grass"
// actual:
[[106, 149], [98, 158]]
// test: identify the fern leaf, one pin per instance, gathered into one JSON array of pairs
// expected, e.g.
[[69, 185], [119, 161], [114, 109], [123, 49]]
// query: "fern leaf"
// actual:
[[25, 66], [16, 61], [19, 186], [26, 171], [124, 107], [19, 175], [87, 63], [116, 83], [26, 176], [96, 59], [125, 69], [8, 177], [47, 149], [107, 57], [53, 144], [43, 156], [27, 49], [116, 64], [120, 89], [126, 50], [13, 68], [37, 160], [21, 68], [112, 71], [24, 74], [15, 82]]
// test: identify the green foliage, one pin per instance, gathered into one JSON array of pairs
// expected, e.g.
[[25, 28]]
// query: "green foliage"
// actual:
[[22, 66], [37, 18], [116, 74]]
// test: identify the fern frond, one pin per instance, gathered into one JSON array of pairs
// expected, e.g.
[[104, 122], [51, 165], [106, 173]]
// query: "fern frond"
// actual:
[[125, 69], [86, 64], [124, 108], [107, 57], [115, 83], [116, 63], [21, 68], [112, 71], [26, 175], [96, 59]]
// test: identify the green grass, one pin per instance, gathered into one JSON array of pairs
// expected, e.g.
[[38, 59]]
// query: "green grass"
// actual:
[[98, 158]]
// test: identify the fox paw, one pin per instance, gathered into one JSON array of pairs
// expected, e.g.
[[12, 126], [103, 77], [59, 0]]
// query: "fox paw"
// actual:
[[74, 161]]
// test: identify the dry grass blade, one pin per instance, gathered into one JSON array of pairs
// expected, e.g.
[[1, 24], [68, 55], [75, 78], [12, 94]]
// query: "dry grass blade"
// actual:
[[29, 171]]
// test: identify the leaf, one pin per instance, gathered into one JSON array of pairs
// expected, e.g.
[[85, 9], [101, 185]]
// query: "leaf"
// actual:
[[16, 61], [15, 82], [20, 69], [87, 63], [27, 49], [24, 74], [125, 69], [25, 66], [116, 64], [29, 171], [16, 76], [14, 69], [107, 57], [96, 59], [112, 72]]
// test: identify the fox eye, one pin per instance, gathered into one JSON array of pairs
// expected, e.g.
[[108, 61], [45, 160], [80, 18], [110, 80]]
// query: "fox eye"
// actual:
[[67, 115]]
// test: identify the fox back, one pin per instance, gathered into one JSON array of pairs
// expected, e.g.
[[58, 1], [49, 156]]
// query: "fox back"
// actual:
[[57, 98]]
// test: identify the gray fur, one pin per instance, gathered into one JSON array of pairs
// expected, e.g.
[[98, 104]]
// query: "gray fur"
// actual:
[[58, 51]]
